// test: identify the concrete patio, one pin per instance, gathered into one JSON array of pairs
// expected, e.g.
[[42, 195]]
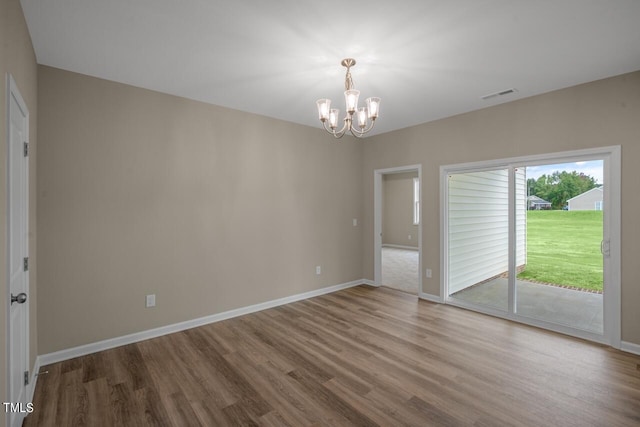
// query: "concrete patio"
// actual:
[[568, 307]]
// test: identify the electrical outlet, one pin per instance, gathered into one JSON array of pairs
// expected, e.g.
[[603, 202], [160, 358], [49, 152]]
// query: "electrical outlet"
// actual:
[[318, 270], [151, 300], [355, 222], [429, 273], [409, 236]]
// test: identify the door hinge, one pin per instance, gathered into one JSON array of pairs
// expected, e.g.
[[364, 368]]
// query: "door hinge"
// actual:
[[25, 264], [26, 149], [26, 377]]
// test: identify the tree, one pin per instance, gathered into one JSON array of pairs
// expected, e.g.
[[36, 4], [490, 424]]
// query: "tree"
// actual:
[[559, 187]]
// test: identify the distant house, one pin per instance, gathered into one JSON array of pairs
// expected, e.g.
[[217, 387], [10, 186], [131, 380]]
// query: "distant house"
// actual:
[[535, 203], [590, 200]]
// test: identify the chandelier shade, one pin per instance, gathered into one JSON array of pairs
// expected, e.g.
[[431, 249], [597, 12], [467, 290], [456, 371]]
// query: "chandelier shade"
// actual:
[[351, 100], [366, 116]]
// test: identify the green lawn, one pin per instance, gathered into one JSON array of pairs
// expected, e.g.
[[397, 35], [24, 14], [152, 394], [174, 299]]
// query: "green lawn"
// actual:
[[563, 247]]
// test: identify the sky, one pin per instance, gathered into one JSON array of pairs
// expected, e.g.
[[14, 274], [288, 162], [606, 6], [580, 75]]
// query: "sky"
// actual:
[[592, 168]]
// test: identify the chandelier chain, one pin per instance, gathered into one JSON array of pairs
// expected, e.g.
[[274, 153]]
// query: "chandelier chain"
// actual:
[[348, 81]]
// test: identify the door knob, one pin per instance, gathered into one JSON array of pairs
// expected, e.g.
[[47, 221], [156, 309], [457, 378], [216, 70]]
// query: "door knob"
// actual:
[[21, 298]]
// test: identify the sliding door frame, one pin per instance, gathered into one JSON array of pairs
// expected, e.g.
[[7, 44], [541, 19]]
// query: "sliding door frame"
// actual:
[[611, 157]]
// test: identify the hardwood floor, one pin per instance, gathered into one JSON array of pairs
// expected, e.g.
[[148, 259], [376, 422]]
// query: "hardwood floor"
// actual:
[[362, 356]]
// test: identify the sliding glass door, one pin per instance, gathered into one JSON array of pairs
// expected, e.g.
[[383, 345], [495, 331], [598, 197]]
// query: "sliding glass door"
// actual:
[[529, 240], [562, 279]]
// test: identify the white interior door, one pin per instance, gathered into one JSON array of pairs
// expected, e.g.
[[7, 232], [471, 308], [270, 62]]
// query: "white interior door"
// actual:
[[18, 252]]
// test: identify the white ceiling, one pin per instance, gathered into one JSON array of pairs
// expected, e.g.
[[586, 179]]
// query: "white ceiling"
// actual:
[[426, 59]]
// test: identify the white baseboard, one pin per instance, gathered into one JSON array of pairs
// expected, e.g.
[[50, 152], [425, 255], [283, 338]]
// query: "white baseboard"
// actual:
[[430, 297], [70, 353], [630, 347], [370, 283], [411, 248]]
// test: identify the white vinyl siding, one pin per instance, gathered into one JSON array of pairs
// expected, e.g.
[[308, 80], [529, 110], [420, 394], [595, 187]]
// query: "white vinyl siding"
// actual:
[[479, 226]]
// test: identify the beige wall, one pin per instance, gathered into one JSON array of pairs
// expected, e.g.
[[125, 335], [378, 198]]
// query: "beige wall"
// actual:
[[397, 210], [209, 208], [596, 114], [213, 209], [17, 58]]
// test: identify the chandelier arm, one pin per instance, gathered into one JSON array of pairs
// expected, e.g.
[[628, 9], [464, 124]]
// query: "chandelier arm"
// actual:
[[338, 134], [328, 129], [345, 127], [360, 133]]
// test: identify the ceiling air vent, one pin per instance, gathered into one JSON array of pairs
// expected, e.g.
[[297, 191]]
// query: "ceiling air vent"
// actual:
[[500, 93]]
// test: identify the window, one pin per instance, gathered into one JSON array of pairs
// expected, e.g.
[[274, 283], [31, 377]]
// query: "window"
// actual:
[[416, 201], [599, 205]]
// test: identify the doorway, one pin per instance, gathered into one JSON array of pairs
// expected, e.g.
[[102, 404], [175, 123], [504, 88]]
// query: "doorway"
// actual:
[[398, 226], [536, 240], [17, 253]]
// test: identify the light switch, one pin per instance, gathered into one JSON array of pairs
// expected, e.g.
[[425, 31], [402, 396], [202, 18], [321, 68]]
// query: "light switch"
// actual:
[[151, 300]]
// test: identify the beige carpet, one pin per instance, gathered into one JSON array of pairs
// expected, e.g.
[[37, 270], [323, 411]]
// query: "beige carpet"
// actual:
[[400, 269]]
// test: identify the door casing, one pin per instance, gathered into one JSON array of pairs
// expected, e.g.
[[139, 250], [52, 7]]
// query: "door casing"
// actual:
[[377, 221]]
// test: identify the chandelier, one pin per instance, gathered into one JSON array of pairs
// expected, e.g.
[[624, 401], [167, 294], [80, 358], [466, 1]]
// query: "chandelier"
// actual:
[[366, 116]]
